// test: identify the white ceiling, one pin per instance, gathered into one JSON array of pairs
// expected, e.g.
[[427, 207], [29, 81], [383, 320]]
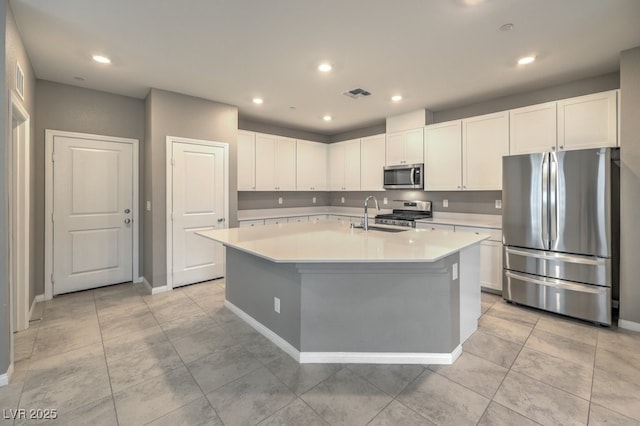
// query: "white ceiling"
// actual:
[[436, 53]]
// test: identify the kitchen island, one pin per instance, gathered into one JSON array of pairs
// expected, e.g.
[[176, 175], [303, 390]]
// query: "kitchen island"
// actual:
[[325, 292]]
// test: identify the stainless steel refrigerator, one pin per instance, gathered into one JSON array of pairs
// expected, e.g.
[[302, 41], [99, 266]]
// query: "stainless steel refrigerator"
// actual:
[[561, 231]]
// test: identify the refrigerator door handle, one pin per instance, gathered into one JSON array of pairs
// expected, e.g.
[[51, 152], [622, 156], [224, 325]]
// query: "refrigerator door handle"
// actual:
[[560, 284], [559, 257], [545, 195], [553, 198]]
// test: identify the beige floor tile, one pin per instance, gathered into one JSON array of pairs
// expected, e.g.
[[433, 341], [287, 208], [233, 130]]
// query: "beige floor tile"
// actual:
[[599, 416], [443, 401], [541, 402], [571, 329], [296, 413], [571, 377], [149, 400], [623, 363], [188, 325], [346, 399], [250, 399], [475, 373], [174, 311], [194, 346], [509, 312], [221, 367], [617, 394], [299, 378], [397, 414], [497, 414], [65, 337], [492, 348], [389, 378], [134, 342], [196, 413], [509, 330], [562, 347], [126, 324], [98, 413]]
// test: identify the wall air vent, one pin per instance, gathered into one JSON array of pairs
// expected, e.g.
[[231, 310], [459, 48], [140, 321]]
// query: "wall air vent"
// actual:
[[19, 81], [357, 93]]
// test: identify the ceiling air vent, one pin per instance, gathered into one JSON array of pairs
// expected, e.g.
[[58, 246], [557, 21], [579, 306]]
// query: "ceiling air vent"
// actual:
[[357, 93], [19, 81]]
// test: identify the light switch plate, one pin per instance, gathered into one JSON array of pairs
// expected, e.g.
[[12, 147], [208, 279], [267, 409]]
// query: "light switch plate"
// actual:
[[314, 200], [445, 203], [276, 304], [385, 200], [342, 200], [454, 271], [148, 206], [279, 200], [498, 204]]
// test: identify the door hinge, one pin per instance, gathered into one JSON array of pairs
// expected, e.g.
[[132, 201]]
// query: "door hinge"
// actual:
[[51, 217], [53, 157], [52, 279], [171, 216], [173, 161]]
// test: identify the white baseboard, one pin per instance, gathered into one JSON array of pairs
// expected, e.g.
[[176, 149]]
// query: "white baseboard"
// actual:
[[4, 378], [37, 299], [154, 290], [629, 325], [346, 357], [138, 280]]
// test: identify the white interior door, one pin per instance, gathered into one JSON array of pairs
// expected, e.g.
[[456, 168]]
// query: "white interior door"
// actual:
[[92, 213], [198, 204]]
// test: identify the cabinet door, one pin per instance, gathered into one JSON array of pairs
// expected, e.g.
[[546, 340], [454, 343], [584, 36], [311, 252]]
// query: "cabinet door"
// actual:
[[251, 223], [532, 129], [246, 161], [588, 121], [265, 162], [286, 164], [485, 139], [311, 166], [395, 148], [336, 166], [372, 160], [414, 146], [443, 156], [435, 226], [491, 265], [352, 165]]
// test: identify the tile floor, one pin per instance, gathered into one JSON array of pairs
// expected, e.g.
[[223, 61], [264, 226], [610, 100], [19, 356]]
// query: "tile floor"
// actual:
[[114, 356]]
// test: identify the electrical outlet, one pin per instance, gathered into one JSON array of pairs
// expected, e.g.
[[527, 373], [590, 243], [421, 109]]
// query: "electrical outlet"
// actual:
[[314, 200], [385, 200], [498, 204], [276, 304], [454, 271], [342, 200], [148, 206], [279, 200], [445, 203]]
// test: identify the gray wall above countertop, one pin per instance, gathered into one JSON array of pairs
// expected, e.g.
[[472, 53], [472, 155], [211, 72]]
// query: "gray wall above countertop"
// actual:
[[274, 129], [252, 200]]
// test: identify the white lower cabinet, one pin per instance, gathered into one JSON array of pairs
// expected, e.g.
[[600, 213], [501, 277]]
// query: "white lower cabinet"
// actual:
[[298, 219], [275, 221], [435, 227], [317, 217], [250, 223]]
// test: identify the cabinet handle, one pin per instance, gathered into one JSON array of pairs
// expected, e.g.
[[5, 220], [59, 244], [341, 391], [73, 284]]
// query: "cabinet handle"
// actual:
[[553, 148], [458, 186], [561, 146]]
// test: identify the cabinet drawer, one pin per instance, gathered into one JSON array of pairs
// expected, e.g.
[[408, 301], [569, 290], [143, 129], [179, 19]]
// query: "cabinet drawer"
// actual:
[[249, 223], [298, 219], [275, 221], [495, 234], [435, 227]]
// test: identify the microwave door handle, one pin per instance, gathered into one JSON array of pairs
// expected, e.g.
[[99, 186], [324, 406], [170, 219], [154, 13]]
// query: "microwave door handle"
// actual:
[[413, 175]]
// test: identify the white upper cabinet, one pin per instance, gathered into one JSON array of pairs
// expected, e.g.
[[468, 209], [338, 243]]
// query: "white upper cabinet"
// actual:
[[588, 121], [344, 166], [246, 161], [443, 156], [532, 129], [372, 161], [485, 140], [275, 163], [311, 166], [405, 147]]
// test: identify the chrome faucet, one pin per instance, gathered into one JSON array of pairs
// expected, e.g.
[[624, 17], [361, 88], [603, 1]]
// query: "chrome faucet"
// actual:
[[365, 220]]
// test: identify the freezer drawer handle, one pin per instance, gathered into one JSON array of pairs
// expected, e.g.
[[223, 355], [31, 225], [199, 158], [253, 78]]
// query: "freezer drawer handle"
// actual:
[[558, 284], [559, 257]]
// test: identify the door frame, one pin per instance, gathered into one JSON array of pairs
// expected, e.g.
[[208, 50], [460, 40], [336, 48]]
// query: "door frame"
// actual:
[[169, 186], [20, 214], [48, 212]]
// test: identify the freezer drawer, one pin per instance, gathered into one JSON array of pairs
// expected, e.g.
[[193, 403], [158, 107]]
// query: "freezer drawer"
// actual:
[[587, 302], [583, 269]]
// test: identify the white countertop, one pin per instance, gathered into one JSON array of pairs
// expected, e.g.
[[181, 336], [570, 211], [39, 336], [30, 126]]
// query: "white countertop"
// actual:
[[332, 242]]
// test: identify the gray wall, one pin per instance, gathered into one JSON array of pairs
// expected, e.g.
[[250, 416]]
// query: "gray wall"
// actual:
[[75, 109], [250, 200], [360, 133], [173, 114], [630, 185], [553, 93], [273, 129]]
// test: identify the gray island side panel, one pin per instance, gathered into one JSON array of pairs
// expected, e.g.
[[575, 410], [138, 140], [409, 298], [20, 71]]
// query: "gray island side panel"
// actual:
[[253, 282], [386, 308]]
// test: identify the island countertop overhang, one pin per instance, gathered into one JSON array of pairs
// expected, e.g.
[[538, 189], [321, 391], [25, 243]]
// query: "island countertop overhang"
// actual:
[[329, 242]]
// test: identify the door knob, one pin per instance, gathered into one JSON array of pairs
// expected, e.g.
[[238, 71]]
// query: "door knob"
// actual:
[[221, 220], [127, 221], [127, 211]]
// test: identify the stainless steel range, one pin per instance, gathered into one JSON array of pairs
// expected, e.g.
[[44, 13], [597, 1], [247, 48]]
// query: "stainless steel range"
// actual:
[[407, 215]]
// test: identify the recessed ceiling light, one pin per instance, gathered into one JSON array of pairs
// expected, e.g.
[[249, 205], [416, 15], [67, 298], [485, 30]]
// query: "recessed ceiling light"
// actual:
[[78, 78], [101, 59], [327, 118], [526, 60], [506, 27], [396, 98], [325, 67], [257, 101]]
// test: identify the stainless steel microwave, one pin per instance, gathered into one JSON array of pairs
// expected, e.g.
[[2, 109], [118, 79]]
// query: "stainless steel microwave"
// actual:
[[404, 176]]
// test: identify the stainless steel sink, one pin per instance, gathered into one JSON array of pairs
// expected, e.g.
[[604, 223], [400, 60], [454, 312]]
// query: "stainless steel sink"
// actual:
[[383, 229]]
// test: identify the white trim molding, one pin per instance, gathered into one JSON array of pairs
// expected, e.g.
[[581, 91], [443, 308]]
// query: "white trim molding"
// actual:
[[154, 290], [48, 234], [629, 325], [346, 357], [4, 378], [170, 140]]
